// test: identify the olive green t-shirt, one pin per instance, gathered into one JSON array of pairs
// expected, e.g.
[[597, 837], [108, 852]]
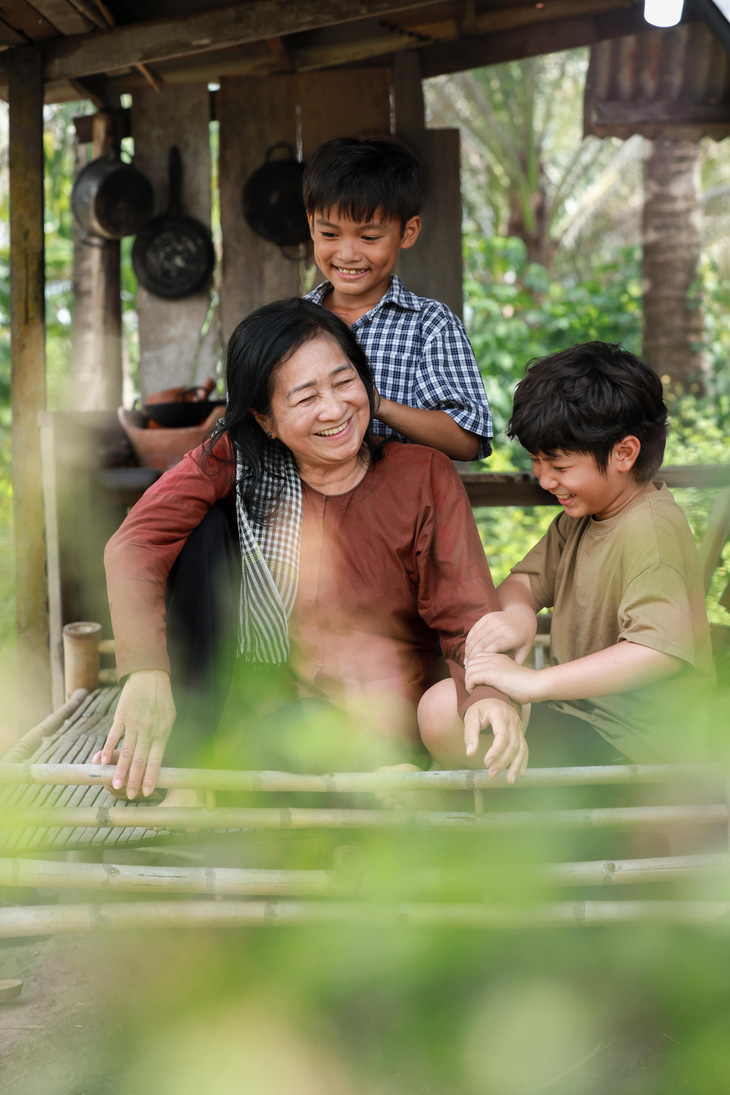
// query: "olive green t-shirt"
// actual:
[[635, 577]]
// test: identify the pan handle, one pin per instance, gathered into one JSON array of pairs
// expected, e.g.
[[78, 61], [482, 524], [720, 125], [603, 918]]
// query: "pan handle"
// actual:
[[283, 146], [174, 172]]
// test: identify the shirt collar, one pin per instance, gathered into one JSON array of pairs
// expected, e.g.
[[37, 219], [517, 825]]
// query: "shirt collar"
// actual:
[[395, 294]]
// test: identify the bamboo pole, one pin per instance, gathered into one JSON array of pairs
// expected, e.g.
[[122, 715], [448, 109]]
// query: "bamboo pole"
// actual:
[[58, 874], [267, 818], [16, 922], [30, 741], [209, 779]]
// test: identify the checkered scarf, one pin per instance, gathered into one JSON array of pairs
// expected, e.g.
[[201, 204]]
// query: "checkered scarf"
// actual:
[[269, 556]]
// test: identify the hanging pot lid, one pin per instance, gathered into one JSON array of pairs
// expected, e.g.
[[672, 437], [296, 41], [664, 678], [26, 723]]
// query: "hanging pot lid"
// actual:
[[272, 198]]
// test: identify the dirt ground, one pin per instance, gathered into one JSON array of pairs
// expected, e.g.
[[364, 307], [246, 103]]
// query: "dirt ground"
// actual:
[[54, 1036]]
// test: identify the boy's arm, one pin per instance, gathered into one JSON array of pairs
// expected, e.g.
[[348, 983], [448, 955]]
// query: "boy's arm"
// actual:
[[426, 427], [618, 668], [511, 629]]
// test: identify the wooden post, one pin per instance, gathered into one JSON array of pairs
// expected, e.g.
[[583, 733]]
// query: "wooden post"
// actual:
[[97, 327], [433, 268], [28, 335]]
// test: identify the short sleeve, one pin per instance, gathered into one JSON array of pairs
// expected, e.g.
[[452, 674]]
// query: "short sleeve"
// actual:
[[449, 378], [655, 612], [541, 564]]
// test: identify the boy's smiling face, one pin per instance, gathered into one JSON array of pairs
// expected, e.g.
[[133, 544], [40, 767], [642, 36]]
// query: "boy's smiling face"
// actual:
[[359, 257], [582, 489]]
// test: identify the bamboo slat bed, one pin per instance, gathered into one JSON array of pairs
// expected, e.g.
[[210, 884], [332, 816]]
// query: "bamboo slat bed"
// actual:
[[61, 830]]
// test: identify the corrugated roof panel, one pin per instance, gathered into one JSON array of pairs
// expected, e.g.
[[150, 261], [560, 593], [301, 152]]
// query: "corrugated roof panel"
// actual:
[[671, 83]]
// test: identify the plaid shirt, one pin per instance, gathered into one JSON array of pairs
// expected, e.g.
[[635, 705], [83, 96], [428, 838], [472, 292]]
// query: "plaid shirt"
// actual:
[[421, 357]]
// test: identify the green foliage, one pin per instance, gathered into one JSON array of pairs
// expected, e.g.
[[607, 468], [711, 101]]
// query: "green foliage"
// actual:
[[515, 311], [716, 299], [698, 435]]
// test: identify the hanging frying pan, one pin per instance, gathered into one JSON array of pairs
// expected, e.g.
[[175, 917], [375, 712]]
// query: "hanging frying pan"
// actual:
[[173, 256], [272, 199], [111, 198]]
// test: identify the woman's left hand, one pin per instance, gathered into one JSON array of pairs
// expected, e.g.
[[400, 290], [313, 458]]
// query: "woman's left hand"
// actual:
[[501, 672], [509, 748]]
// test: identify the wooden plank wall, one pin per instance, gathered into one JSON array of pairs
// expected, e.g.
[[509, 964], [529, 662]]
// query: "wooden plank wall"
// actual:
[[255, 113], [169, 330]]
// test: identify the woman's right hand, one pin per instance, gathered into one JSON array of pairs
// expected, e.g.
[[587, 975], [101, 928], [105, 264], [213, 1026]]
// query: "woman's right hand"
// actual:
[[144, 717]]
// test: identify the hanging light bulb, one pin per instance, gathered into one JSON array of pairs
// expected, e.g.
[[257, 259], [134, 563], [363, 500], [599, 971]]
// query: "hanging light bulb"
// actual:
[[663, 13]]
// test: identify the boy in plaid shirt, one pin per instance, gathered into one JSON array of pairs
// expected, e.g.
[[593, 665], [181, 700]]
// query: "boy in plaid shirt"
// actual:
[[362, 199]]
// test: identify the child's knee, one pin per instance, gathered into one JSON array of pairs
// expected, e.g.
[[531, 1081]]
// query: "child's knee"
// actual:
[[438, 717]]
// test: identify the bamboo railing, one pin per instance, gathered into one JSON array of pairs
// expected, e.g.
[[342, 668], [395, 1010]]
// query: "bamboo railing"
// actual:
[[211, 779], [351, 892], [257, 819], [135, 916], [248, 882]]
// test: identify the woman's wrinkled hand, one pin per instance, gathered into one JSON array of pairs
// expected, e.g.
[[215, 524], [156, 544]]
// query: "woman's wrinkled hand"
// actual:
[[509, 748], [143, 720]]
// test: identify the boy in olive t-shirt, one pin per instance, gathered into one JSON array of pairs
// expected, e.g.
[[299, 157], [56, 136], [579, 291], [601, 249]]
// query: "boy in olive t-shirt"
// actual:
[[630, 644]]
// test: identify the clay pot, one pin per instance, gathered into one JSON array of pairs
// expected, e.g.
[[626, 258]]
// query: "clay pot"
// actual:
[[163, 448]]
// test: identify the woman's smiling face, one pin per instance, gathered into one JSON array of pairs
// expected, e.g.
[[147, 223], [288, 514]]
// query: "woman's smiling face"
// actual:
[[319, 408]]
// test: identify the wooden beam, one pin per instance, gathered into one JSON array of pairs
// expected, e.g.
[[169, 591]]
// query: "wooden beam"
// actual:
[[198, 32], [509, 17], [532, 41], [661, 112], [28, 383], [282, 54], [9, 36], [26, 20], [64, 16]]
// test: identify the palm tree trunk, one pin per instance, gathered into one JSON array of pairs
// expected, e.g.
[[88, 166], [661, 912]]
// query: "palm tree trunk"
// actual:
[[673, 318]]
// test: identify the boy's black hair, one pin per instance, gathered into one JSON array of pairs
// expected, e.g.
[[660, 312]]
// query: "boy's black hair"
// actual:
[[586, 399], [357, 176]]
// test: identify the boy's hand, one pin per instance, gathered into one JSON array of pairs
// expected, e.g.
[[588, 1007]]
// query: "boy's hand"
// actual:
[[508, 748], [512, 629], [501, 672]]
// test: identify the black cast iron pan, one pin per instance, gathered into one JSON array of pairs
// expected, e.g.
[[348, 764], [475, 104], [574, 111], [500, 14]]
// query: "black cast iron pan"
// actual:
[[173, 256], [272, 198]]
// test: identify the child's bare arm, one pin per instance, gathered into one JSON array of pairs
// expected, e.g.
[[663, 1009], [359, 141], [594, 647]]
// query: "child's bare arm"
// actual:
[[512, 629], [435, 428], [618, 668]]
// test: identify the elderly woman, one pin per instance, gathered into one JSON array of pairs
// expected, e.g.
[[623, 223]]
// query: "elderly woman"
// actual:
[[356, 555]]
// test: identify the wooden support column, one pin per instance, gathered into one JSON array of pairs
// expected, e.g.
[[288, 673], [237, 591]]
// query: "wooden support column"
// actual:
[[97, 327], [433, 268], [28, 334]]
